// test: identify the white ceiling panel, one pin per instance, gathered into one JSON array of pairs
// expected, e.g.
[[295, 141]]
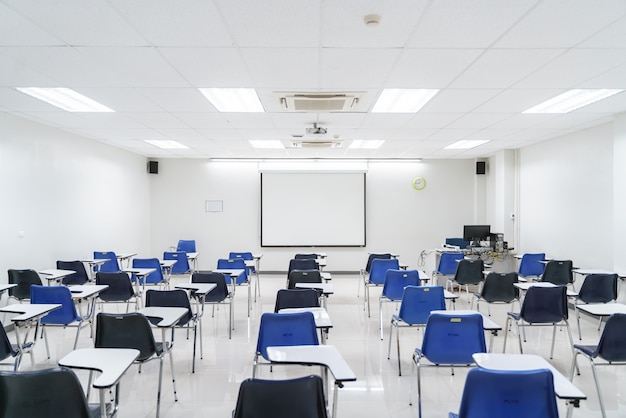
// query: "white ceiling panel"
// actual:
[[209, 67], [178, 99], [459, 100], [18, 30], [283, 68], [355, 69]]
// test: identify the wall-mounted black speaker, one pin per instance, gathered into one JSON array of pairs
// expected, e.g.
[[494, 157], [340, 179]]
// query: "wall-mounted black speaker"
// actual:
[[480, 167], [153, 167]]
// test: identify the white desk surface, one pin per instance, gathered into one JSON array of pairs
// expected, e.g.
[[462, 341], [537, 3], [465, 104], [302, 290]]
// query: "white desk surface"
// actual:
[[167, 263], [257, 256], [326, 276], [55, 274], [323, 355], [29, 311], [168, 315], [488, 324], [94, 261], [111, 362], [192, 256], [250, 263], [142, 272], [322, 319], [603, 309], [6, 286], [449, 295], [230, 272], [87, 290], [524, 286], [326, 288], [198, 288], [563, 388], [586, 272], [124, 256]]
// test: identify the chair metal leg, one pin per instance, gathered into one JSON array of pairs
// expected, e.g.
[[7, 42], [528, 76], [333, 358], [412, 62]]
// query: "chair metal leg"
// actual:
[[45, 338], [193, 359], [380, 314], [173, 376], [595, 378], [419, 391], [506, 333], [391, 326], [398, 346], [158, 409]]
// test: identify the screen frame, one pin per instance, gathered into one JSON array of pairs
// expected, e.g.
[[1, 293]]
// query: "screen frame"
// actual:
[[473, 233]]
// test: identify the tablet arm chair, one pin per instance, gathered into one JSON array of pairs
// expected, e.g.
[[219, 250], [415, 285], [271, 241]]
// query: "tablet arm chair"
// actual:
[[510, 394], [364, 272], [497, 288], [221, 295], [79, 277], [242, 280], [296, 298], [8, 350], [55, 392], [182, 263], [376, 278], [132, 330], [302, 397], [186, 245], [448, 262], [531, 265], [248, 256], [156, 278], [558, 272], [120, 289], [597, 288], [303, 276], [468, 273], [393, 289], [24, 279], [111, 265]]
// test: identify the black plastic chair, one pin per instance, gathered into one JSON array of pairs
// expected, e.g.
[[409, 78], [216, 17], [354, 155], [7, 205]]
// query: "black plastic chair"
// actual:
[[468, 273], [558, 272], [120, 289], [54, 392], [597, 288], [296, 298], [8, 350], [80, 277], [303, 276], [302, 264], [302, 397], [498, 288], [542, 306], [611, 349], [177, 298], [132, 330], [220, 295], [23, 279]]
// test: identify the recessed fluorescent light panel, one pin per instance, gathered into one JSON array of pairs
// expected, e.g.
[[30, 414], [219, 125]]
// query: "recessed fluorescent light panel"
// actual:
[[365, 144], [166, 144], [65, 99], [403, 100], [233, 99], [467, 144], [271, 144], [572, 100]]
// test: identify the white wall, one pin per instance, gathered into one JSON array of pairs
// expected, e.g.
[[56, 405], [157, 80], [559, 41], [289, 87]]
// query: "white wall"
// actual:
[[69, 195], [399, 218]]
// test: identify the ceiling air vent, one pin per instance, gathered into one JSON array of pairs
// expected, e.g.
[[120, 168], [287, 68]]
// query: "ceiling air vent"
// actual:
[[315, 144], [319, 102]]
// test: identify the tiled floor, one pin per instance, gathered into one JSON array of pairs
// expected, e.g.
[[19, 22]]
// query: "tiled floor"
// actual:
[[378, 392]]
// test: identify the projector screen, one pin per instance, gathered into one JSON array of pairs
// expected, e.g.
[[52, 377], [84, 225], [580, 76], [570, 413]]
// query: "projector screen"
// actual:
[[312, 209]]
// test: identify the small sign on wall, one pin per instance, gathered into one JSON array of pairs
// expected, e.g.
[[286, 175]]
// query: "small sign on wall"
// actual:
[[214, 206]]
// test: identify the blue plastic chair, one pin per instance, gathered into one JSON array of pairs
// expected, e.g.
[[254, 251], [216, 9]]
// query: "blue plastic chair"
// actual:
[[531, 265], [182, 263], [611, 348], [378, 272], [278, 330], [393, 289], [450, 339], [155, 278], [247, 256], [65, 316], [542, 306], [417, 304], [597, 288], [510, 394], [186, 245], [448, 262], [366, 271], [241, 280], [80, 275], [110, 266]]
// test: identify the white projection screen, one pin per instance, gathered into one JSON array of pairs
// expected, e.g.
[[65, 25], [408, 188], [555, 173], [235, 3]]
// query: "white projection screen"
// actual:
[[304, 209]]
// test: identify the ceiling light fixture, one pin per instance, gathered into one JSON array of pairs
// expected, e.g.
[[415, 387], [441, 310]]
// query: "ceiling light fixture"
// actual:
[[263, 144], [66, 99], [166, 144], [366, 144], [403, 100], [572, 100], [467, 144], [233, 99]]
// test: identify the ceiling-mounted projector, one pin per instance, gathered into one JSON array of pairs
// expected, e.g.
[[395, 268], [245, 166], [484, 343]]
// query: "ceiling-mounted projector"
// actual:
[[316, 130]]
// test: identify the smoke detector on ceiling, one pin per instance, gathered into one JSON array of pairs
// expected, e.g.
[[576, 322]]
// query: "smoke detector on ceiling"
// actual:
[[371, 20]]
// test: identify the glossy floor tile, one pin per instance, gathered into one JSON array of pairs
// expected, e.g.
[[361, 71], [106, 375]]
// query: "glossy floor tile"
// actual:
[[378, 392]]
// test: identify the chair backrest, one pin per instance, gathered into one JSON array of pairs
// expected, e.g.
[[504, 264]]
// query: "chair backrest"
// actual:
[[511, 394], [120, 287], [558, 272], [176, 298], [182, 263], [130, 330], [303, 276], [302, 264], [379, 267], [66, 314], [302, 397], [246, 255], [458, 242], [531, 264], [110, 266], [612, 345], [543, 305], [469, 271], [23, 279], [452, 338], [397, 280], [418, 302], [237, 264], [296, 298], [218, 294], [286, 330], [448, 263], [80, 277], [6, 348], [55, 392], [498, 287], [373, 256], [598, 288], [307, 256], [157, 275], [186, 245]]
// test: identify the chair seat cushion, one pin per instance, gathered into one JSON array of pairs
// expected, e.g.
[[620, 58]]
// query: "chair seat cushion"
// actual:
[[589, 350]]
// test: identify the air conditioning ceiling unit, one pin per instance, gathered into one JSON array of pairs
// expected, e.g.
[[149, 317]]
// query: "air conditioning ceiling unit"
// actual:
[[320, 102], [315, 144]]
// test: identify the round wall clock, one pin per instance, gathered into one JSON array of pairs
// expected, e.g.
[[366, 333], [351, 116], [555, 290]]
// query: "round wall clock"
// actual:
[[419, 183]]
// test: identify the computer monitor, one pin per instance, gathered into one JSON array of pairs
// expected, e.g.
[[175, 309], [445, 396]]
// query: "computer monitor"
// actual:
[[476, 233]]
